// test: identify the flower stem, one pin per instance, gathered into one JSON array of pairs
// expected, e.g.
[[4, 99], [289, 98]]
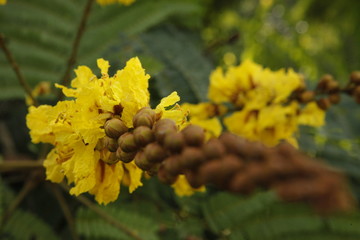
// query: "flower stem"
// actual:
[[73, 55], [16, 69]]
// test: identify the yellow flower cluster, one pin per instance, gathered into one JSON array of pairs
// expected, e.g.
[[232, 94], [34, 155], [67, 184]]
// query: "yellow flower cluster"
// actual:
[[75, 127], [107, 2], [261, 100], [2, 2]]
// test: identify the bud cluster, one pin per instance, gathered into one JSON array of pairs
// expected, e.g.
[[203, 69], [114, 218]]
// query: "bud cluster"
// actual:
[[228, 162], [353, 87]]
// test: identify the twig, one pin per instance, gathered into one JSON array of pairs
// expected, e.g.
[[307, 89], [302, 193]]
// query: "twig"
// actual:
[[16, 69], [73, 55], [111, 220], [6, 140], [30, 184], [66, 210], [10, 166]]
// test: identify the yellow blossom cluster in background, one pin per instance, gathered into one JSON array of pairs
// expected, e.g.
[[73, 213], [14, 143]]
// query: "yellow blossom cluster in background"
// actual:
[[2, 2], [76, 126], [261, 101], [107, 2]]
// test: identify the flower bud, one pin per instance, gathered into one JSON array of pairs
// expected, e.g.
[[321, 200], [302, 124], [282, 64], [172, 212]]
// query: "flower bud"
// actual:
[[111, 144], [172, 165], [323, 103], [241, 183], [155, 153], [193, 179], [143, 135], [148, 110], [125, 157], [234, 144], [100, 145], [194, 135], [165, 177], [142, 162], [143, 119], [127, 142], [323, 83], [355, 77], [191, 157], [114, 128], [164, 127], [112, 159], [306, 96], [153, 170], [334, 98], [213, 149], [333, 86], [174, 142]]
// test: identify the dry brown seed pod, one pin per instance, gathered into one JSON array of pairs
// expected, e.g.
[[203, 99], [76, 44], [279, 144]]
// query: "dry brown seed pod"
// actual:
[[111, 144], [194, 135], [213, 149], [127, 142], [172, 165], [142, 162], [191, 157], [125, 157], [165, 177], [334, 98], [174, 142], [143, 135], [114, 128], [155, 152], [323, 103]]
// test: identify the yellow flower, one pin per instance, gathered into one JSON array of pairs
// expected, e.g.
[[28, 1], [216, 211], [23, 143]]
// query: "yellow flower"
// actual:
[[2, 2], [76, 127], [183, 188], [107, 2], [42, 88]]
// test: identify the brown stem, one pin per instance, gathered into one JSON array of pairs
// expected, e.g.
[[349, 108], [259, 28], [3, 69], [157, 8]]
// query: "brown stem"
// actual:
[[10, 166], [16, 69], [73, 55], [111, 220], [66, 210]]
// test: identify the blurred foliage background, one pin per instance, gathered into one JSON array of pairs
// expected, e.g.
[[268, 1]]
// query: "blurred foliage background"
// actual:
[[179, 43]]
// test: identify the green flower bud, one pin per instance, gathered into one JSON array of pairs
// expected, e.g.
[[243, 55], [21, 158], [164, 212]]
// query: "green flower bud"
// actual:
[[111, 144], [154, 152], [127, 142], [194, 135], [174, 142], [125, 157], [114, 128], [143, 135], [142, 162]]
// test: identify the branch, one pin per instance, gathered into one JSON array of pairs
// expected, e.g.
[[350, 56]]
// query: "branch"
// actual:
[[66, 210], [10, 166], [73, 55], [109, 219], [16, 69]]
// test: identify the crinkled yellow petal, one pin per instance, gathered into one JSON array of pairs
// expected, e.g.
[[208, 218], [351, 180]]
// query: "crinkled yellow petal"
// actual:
[[83, 76], [183, 188], [212, 126], [103, 65], [54, 170], [38, 122], [134, 175]]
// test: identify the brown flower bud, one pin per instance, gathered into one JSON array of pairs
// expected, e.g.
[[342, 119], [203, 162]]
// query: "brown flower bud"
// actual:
[[174, 142], [114, 128], [193, 179], [208, 170], [155, 153], [214, 149], [194, 135], [334, 98], [165, 177], [355, 77], [153, 170], [241, 183], [164, 127], [142, 162], [112, 159], [125, 157], [149, 111], [306, 96], [333, 86], [323, 83], [100, 145], [172, 165], [143, 119], [143, 135], [191, 157], [230, 164], [323, 103], [234, 144], [111, 144], [127, 142]]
